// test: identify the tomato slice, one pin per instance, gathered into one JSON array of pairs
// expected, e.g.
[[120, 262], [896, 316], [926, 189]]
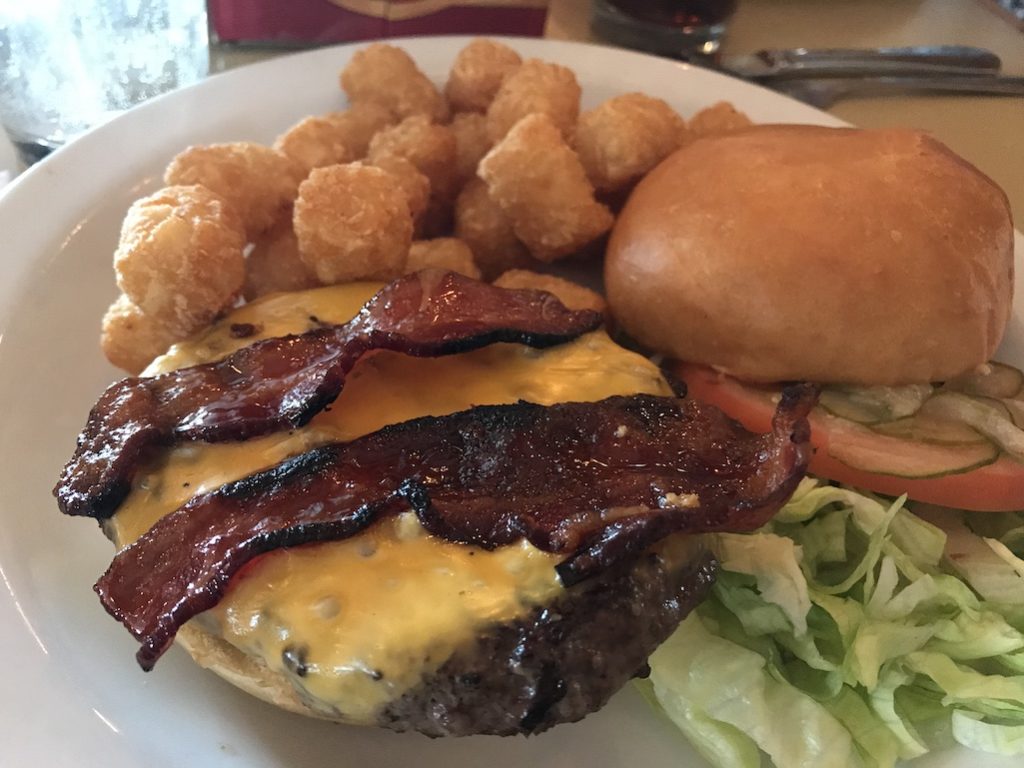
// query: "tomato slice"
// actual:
[[995, 484]]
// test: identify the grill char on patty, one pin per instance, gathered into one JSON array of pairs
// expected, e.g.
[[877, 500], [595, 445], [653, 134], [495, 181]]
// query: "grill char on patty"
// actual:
[[563, 661]]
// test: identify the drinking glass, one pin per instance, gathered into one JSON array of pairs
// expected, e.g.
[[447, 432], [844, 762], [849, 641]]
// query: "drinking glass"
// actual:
[[69, 65], [684, 28]]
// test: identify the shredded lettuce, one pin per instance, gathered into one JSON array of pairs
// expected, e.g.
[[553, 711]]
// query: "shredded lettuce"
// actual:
[[971, 731], [774, 561], [851, 631], [734, 687]]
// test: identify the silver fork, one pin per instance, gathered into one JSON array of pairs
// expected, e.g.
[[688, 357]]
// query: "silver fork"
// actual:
[[918, 60], [824, 92]]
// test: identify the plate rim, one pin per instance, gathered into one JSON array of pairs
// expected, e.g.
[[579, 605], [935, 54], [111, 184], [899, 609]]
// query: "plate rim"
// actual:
[[19, 199]]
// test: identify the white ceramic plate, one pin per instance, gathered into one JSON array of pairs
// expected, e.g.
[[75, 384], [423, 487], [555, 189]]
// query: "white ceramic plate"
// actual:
[[71, 692]]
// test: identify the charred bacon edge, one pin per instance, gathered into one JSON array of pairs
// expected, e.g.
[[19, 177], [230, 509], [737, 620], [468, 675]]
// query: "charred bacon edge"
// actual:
[[616, 542], [430, 313], [782, 457]]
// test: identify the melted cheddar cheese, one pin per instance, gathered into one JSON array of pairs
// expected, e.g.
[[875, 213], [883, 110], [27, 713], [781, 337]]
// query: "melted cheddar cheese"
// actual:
[[356, 623]]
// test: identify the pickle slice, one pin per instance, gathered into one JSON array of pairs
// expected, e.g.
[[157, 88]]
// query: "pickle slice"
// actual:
[[1016, 409], [928, 429], [990, 418], [997, 380], [867, 450], [874, 405]]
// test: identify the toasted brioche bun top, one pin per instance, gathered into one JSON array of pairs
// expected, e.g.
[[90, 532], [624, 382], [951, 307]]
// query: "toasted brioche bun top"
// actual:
[[791, 252]]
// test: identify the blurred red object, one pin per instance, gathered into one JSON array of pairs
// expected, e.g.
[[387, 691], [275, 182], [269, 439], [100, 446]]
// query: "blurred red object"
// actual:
[[678, 13], [304, 22]]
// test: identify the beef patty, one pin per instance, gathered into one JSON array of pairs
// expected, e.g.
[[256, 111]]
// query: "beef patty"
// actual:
[[563, 661]]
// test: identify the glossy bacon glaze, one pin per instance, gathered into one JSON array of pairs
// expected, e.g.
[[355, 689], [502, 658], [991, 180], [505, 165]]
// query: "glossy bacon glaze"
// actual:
[[598, 482], [282, 383]]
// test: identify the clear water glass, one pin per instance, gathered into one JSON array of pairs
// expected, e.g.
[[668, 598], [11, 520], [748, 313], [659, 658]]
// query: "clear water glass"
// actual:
[[69, 65]]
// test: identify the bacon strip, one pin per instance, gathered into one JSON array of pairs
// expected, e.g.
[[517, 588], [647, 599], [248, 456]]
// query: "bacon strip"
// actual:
[[282, 383], [598, 482]]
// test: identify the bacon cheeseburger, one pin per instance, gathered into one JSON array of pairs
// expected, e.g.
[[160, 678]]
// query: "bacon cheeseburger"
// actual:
[[876, 262], [455, 509]]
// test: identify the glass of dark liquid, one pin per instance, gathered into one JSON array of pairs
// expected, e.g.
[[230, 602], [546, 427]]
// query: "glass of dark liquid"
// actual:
[[684, 28]]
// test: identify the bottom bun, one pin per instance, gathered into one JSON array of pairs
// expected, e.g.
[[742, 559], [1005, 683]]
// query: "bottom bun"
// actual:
[[243, 671], [555, 665]]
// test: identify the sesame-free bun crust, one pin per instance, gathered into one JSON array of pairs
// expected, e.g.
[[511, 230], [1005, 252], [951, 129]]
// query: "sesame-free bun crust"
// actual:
[[241, 670], [823, 254]]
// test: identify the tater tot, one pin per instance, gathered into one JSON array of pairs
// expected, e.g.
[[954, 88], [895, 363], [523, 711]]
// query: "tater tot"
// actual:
[[625, 137], [360, 123], [180, 256], [130, 339], [428, 146], [415, 185], [385, 75], [431, 148], [352, 223], [481, 223], [259, 182], [536, 86], [274, 263], [313, 143], [722, 117], [471, 144], [572, 295], [444, 253], [477, 73], [541, 186]]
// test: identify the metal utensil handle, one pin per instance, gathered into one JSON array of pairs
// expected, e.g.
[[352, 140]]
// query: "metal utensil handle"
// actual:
[[939, 55], [825, 92], [881, 86], [863, 68]]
